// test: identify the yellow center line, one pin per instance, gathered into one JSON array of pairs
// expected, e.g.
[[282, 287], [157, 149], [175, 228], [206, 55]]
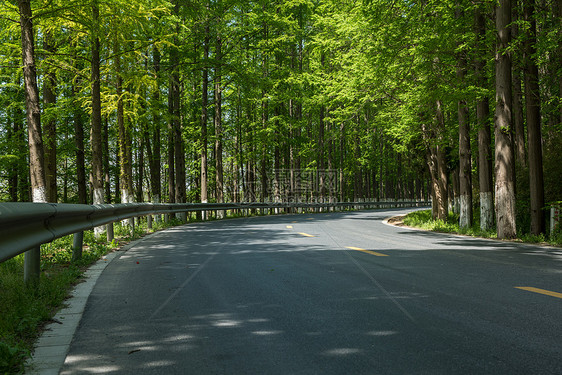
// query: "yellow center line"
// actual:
[[289, 227], [541, 291], [366, 251], [306, 234]]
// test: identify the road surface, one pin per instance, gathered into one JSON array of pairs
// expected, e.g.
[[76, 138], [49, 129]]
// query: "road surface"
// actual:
[[331, 293]]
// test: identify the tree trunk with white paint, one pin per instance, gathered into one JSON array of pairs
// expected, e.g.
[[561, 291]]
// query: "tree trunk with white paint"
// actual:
[[36, 152], [484, 131], [504, 166]]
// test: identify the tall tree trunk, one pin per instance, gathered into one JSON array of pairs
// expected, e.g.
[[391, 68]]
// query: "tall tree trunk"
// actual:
[[442, 174], [175, 95], [154, 156], [36, 153], [95, 135], [50, 129], [106, 161], [504, 156], [13, 170], [532, 104], [557, 10], [321, 149], [437, 162], [238, 171], [139, 191], [23, 149], [518, 120], [78, 122], [341, 162], [454, 191], [117, 178], [125, 165], [171, 158], [20, 172], [485, 180], [218, 124], [264, 161], [465, 156], [204, 116], [171, 143]]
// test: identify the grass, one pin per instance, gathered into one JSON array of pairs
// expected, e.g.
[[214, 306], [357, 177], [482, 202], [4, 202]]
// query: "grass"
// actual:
[[26, 309], [423, 220]]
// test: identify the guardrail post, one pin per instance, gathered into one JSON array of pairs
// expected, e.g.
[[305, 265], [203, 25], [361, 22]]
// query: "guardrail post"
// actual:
[[110, 235], [554, 218], [32, 265], [149, 221], [77, 244]]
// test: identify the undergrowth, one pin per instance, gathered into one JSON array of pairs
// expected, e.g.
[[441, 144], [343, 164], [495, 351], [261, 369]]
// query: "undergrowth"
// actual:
[[423, 220]]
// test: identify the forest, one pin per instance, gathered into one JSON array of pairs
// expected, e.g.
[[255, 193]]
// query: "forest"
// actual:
[[174, 101]]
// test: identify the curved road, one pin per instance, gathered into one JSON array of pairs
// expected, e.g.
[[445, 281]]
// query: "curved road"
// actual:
[[332, 293]]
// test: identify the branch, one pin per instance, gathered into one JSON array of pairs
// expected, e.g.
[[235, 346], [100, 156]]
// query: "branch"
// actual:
[[9, 19]]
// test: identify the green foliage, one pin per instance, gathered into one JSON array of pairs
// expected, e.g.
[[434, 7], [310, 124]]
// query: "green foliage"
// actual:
[[24, 308], [423, 220]]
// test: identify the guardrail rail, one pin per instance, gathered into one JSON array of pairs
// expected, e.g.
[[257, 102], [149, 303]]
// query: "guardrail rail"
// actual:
[[24, 227]]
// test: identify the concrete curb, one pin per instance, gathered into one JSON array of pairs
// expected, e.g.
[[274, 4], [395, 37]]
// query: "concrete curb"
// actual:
[[53, 345]]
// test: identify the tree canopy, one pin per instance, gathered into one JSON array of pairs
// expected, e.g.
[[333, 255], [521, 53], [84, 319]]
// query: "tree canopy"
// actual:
[[228, 100]]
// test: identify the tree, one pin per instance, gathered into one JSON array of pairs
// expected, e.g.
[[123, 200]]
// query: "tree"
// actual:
[[49, 99], [36, 153], [204, 112], [532, 104], [96, 117], [504, 166], [175, 117], [485, 180], [219, 133], [465, 155]]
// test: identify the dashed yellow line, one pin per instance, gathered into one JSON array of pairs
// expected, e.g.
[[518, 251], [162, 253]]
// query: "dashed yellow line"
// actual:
[[289, 227], [306, 234], [367, 251], [540, 291]]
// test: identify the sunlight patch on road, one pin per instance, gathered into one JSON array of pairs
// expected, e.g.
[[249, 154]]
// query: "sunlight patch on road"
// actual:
[[227, 323], [160, 363], [540, 291], [381, 333], [266, 333], [342, 351]]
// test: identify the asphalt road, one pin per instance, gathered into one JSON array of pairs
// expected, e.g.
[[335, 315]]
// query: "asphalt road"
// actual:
[[297, 294]]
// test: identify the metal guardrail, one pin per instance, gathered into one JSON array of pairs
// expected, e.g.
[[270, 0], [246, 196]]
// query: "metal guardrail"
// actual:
[[25, 226]]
